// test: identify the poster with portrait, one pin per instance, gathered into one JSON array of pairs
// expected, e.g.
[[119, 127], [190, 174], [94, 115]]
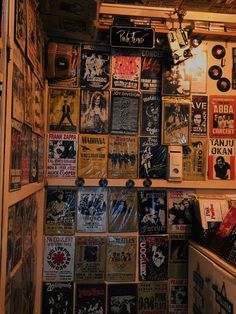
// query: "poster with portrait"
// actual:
[[31, 31], [38, 107], [221, 159], [222, 116], [63, 109], [122, 298], [62, 155], [90, 298], [26, 153], [94, 108], [178, 296], [199, 116], [20, 24], [16, 153], [95, 67]]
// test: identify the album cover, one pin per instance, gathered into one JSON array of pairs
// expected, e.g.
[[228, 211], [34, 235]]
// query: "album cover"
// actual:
[[152, 208], [95, 67], [122, 298], [121, 258], [90, 256], [31, 36], [20, 24], [122, 157], [16, 154], [221, 159], [152, 158], [91, 209], [199, 116], [62, 155], [38, 108], [40, 158], [92, 160], [58, 264], [153, 258], [122, 210], [26, 153], [228, 224], [29, 95], [94, 107], [178, 296], [60, 211], [34, 158]]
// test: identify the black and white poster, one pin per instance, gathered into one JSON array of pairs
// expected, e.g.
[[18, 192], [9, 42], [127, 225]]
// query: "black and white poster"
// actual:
[[122, 298]]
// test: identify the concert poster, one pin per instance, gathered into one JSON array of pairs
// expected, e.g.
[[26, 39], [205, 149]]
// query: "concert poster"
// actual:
[[91, 209], [122, 298], [63, 109], [62, 155], [153, 258], [20, 24], [121, 258], [95, 67], [16, 154], [199, 116], [178, 296], [125, 69], [31, 36], [92, 160], [40, 158], [122, 157], [90, 298], [152, 208], [29, 95], [152, 158], [34, 158], [90, 256], [58, 265], [26, 153], [38, 108], [60, 211]]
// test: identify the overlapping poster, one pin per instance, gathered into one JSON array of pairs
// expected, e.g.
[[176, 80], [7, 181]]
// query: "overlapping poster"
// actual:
[[122, 298], [16, 153], [91, 298], [178, 296], [199, 116]]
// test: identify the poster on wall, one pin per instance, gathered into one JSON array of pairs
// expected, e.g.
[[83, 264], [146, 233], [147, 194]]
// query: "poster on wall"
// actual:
[[34, 158], [20, 24], [26, 153], [16, 153], [38, 107], [29, 95], [197, 66], [31, 32], [91, 298], [122, 298], [40, 158], [199, 116], [178, 296]]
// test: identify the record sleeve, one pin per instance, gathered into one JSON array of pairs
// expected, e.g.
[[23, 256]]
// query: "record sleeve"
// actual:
[[199, 116], [178, 296], [34, 158], [90, 259], [121, 258], [16, 155], [122, 298], [26, 153]]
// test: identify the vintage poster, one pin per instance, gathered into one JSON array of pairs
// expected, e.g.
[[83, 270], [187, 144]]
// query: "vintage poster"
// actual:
[[90, 298], [63, 109], [152, 158], [20, 24], [95, 67], [199, 116], [153, 258], [39, 61], [94, 108], [31, 32], [62, 155], [153, 297], [179, 211], [38, 108], [152, 208], [92, 160], [16, 154], [195, 159], [57, 295], [122, 157], [122, 215], [151, 106], [178, 296], [222, 116], [125, 69], [34, 158], [26, 153], [124, 112], [58, 265], [121, 258], [91, 209], [122, 298], [221, 159], [16, 292], [176, 113], [40, 158], [60, 211], [29, 95], [27, 223], [197, 66], [90, 256]]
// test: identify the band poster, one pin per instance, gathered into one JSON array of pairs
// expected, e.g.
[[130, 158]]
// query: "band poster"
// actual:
[[16, 153], [178, 296], [31, 32], [38, 107], [26, 153], [63, 109], [62, 155], [222, 113], [122, 298], [20, 24], [95, 67], [199, 116], [90, 298], [29, 95]]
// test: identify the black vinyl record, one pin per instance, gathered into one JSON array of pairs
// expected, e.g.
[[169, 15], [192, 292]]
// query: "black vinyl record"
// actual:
[[218, 52], [223, 84], [215, 72]]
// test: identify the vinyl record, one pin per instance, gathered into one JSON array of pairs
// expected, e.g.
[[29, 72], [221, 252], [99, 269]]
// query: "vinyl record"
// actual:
[[215, 72], [218, 52], [223, 84]]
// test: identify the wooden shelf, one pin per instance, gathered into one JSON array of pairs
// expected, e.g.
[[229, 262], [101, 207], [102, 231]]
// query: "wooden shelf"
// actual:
[[206, 34]]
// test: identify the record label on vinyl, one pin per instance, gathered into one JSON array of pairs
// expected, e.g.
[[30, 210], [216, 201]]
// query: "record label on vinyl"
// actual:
[[215, 72], [218, 52], [223, 84]]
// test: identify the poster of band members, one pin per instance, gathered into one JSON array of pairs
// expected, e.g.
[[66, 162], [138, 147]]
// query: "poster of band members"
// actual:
[[152, 207], [221, 159], [178, 296], [60, 211], [125, 69], [151, 70], [122, 210], [40, 158], [38, 108], [26, 153], [121, 258], [58, 263], [62, 155], [124, 112], [90, 256], [152, 158], [20, 24], [222, 114], [94, 107], [34, 158], [57, 296], [122, 157], [63, 109], [95, 67], [151, 115], [195, 159], [176, 115], [199, 116], [92, 160], [153, 297], [92, 209], [179, 211], [91, 298], [16, 153], [29, 95], [122, 298]]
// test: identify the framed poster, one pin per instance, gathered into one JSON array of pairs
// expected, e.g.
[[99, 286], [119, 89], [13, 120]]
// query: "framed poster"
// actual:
[[20, 24]]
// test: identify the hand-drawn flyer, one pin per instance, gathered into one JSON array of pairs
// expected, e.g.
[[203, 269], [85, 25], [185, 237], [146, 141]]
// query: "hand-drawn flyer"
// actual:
[[199, 116]]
